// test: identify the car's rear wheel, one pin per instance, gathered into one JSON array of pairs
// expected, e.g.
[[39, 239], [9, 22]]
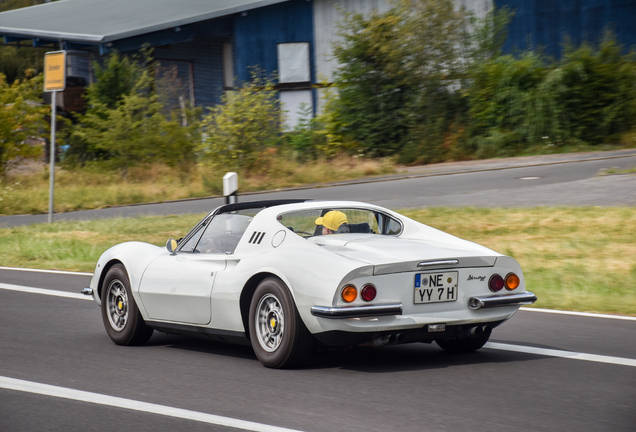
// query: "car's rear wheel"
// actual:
[[464, 345], [120, 314], [277, 333]]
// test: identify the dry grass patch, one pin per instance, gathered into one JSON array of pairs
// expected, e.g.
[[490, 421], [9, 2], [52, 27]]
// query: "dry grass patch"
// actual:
[[95, 187], [573, 258]]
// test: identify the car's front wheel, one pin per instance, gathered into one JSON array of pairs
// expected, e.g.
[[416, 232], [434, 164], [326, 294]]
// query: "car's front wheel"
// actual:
[[464, 345], [277, 333], [120, 314]]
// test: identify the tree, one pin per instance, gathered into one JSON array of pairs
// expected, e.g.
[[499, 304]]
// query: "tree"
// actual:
[[125, 124], [21, 116], [401, 71], [246, 122]]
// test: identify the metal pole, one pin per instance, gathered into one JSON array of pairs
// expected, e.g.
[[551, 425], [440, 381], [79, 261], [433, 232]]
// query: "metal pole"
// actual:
[[52, 165]]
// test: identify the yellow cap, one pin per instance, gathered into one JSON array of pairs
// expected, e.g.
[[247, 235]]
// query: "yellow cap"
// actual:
[[332, 220]]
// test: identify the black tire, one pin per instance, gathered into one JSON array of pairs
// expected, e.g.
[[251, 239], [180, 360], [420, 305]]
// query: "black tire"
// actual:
[[464, 345], [120, 314], [277, 333]]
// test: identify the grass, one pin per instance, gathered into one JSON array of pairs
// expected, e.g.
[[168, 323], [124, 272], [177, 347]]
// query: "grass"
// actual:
[[96, 187], [581, 259]]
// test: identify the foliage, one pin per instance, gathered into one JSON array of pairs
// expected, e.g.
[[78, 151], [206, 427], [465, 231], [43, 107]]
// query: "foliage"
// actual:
[[20, 62], [400, 72], [119, 76], [126, 125], [371, 85], [589, 96], [21, 116], [428, 82], [17, 61], [6, 5], [508, 104], [316, 136], [599, 90], [239, 129]]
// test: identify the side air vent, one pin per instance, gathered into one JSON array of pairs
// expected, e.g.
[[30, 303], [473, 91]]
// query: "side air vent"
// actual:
[[257, 237]]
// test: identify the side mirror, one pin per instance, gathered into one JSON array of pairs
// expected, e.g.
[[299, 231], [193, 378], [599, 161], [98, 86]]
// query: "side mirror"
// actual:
[[171, 245]]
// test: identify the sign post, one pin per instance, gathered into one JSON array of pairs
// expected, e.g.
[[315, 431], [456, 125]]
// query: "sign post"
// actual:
[[54, 81]]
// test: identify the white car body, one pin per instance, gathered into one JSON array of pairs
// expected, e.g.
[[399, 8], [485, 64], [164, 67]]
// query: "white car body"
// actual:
[[210, 293]]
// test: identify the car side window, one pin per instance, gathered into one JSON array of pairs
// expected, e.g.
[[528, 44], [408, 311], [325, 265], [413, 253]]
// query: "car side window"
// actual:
[[189, 245], [223, 234]]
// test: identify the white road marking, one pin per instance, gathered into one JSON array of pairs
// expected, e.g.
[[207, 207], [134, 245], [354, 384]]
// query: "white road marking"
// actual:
[[564, 354], [585, 314], [96, 398], [492, 345], [46, 271], [45, 291], [554, 311]]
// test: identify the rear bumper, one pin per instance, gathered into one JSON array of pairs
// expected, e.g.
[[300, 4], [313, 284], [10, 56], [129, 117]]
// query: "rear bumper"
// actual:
[[356, 311], [526, 298]]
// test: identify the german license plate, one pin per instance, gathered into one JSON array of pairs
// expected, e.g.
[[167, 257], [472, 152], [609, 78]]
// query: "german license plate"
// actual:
[[435, 287]]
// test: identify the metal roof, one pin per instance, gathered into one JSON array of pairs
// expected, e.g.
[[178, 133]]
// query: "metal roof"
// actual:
[[101, 21]]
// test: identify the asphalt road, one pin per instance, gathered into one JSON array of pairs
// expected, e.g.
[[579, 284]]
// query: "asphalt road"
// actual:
[[580, 374], [59, 371], [515, 182]]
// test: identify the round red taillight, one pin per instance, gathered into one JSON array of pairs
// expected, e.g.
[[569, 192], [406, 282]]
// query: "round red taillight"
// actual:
[[496, 283], [512, 281], [368, 292]]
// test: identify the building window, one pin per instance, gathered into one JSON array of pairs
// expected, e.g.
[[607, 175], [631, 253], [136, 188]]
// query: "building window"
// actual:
[[293, 63], [228, 67], [175, 83]]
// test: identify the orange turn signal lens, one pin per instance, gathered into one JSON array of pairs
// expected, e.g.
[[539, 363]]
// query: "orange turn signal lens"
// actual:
[[349, 293], [512, 281]]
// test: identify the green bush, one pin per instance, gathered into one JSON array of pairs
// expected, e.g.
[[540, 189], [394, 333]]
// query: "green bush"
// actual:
[[125, 124], [429, 83], [246, 123], [20, 117], [599, 91]]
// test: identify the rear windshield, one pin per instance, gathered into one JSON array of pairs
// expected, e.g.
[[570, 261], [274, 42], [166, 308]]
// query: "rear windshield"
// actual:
[[308, 223]]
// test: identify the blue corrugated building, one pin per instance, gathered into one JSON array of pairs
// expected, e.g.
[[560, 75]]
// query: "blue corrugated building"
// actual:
[[546, 23], [205, 46]]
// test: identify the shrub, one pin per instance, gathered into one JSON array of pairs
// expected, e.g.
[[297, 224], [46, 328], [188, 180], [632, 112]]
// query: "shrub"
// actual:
[[246, 122], [21, 116]]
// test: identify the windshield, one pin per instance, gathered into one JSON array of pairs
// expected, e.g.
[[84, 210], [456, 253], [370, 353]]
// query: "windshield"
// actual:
[[219, 234], [326, 221]]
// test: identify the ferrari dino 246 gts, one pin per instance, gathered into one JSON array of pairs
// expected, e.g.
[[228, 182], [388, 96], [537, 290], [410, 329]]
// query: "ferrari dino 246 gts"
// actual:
[[284, 276]]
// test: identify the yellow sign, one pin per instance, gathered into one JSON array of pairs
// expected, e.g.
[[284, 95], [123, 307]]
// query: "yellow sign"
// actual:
[[54, 71]]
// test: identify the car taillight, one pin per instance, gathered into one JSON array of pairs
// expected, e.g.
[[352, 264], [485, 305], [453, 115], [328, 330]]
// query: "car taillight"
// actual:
[[512, 281], [368, 292], [496, 283], [349, 293]]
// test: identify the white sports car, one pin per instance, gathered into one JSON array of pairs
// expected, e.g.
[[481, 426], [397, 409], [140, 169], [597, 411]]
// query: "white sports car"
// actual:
[[284, 276]]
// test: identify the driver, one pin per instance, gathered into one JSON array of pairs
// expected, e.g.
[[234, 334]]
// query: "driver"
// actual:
[[331, 221]]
